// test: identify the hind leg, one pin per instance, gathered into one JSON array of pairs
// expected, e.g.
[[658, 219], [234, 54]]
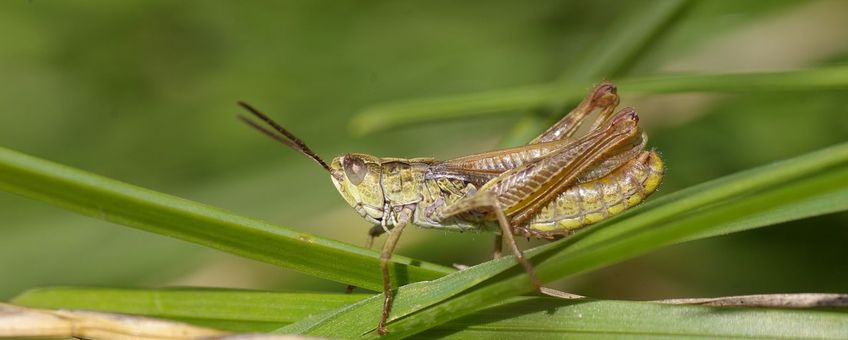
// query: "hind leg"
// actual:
[[488, 202]]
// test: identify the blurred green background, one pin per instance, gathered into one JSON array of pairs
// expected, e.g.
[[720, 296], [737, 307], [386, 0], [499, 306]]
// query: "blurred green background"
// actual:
[[144, 92]]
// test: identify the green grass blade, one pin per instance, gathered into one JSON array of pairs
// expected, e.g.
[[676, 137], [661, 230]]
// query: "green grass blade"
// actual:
[[362, 316], [407, 112], [754, 198], [814, 79], [221, 308], [540, 317], [546, 318], [163, 214], [415, 111]]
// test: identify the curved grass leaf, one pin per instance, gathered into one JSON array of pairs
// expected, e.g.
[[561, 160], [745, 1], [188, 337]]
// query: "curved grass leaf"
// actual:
[[160, 213], [408, 112], [754, 198]]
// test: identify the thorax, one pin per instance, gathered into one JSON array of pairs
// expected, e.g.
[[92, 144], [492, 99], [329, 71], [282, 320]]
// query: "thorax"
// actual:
[[410, 182]]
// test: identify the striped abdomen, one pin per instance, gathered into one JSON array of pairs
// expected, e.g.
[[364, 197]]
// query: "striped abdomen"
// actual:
[[593, 201]]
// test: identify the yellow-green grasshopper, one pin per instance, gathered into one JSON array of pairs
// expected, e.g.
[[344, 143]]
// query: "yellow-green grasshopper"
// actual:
[[546, 189]]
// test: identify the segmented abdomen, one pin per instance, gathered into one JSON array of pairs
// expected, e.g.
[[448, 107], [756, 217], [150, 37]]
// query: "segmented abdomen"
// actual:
[[596, 200]]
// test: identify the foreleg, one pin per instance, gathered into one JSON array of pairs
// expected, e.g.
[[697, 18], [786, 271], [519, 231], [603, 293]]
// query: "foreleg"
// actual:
[[403, 218]]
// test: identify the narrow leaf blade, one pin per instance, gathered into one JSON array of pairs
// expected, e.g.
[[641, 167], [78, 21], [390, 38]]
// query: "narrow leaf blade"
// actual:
[[400, 113], [122, 203]]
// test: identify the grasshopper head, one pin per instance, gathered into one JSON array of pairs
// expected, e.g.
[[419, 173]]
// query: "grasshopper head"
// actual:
[[357, 178]]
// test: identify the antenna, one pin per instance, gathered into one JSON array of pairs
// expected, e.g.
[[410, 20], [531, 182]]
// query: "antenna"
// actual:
[[284, 137]]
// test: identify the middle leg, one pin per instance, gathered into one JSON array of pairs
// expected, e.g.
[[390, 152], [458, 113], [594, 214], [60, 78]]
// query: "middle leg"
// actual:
[[498, 246]]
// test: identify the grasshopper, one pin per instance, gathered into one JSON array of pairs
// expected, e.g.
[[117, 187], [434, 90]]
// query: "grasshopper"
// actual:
[[547, 189]]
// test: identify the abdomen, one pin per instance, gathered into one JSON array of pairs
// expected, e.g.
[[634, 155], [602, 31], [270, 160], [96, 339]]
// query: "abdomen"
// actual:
[[596, 200]]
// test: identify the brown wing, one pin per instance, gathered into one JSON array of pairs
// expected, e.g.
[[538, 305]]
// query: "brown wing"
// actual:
[[521, 192], [482, 167]]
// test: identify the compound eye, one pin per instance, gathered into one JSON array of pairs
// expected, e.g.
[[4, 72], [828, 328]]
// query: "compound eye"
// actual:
[[355, 169]]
